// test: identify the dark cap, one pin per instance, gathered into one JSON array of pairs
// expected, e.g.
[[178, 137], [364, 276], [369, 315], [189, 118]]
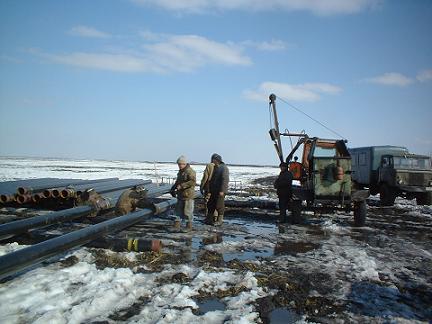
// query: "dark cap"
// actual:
[[283, 165], [216, 157]]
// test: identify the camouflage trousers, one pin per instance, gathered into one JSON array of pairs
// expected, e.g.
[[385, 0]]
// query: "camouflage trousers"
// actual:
[[185, 209]]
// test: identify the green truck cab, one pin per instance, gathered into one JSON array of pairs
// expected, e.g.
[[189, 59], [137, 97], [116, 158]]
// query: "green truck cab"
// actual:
[[392, 171]]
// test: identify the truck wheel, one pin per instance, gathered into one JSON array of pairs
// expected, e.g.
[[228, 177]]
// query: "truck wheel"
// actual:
[[387, 196], [296, 208], [424, 198], [374, 190], [360, 211]]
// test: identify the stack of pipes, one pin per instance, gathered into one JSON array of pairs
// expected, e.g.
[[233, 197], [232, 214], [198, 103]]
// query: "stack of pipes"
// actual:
[[97, 202], [36, 191]]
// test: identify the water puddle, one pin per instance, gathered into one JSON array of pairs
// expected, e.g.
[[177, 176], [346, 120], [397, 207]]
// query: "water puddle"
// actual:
[[294, 248], [247, 255], [213, 239], [285, 316], [210, 305]]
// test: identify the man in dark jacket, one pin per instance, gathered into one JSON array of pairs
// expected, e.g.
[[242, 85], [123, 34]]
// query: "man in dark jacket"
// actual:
[[184, 189], [283, 186], [218, 187]]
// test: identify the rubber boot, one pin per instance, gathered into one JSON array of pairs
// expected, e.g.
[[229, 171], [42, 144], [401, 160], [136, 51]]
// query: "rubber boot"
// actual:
[[209, 220], [177, 224], [189, 226], [219, 220]]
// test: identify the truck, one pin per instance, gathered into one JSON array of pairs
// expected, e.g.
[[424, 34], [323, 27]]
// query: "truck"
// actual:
[[325, 183], [392, 171]]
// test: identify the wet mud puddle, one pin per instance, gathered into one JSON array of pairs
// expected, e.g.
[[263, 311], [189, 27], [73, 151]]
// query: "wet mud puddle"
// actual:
[[244, 241]]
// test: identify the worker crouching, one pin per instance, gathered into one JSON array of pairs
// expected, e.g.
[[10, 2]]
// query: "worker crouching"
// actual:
[[184, 190], [283, 186]]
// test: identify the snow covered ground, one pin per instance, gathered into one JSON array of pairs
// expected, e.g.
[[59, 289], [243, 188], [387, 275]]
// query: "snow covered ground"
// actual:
[[249, 271], [82, 293], [25, 168]]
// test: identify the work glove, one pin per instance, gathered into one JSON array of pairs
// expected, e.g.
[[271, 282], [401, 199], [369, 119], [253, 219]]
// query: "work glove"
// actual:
[[173, 191]]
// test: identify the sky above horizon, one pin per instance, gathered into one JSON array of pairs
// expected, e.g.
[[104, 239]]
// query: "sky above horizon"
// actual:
[[151, 80]]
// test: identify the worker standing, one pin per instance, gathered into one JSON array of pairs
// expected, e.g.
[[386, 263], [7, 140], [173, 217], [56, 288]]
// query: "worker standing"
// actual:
[[296, 169], [205, 190], [184, 189], [283, 186], [218, 189]]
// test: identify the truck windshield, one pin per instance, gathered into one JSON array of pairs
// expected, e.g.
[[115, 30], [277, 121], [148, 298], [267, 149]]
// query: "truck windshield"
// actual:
[[324, 152], [401, 162]]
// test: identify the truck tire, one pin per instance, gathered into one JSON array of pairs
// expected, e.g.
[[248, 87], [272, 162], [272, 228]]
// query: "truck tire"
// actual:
[[360, 211], [387, 195], [424, 199], [296, 208], [374, 190]]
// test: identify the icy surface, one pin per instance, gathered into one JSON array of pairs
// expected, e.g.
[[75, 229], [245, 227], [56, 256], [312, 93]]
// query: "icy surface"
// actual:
[[25, 168]]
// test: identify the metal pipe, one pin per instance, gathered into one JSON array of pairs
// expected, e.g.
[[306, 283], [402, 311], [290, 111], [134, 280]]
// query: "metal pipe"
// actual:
[[121, 184], [19, 260], [76, 190], [57, 183], [127, 244], [16, 227], [152, 191], [36, 198], [23, 199], [109, 201], [10, 187], [7, 198], [70, 190]]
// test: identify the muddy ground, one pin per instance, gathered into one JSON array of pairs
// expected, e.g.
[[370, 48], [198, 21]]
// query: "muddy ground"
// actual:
[[324, 270]]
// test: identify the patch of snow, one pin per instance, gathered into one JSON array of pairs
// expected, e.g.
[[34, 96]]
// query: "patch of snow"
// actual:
[[10, 247], [83, 293], [246, 244]]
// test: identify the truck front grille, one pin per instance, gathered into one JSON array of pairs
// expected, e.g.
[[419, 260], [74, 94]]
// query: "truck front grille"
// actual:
[[416, 179]]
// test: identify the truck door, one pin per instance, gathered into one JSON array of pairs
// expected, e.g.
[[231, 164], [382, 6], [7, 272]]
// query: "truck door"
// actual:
[[363, 167], [386, 172]]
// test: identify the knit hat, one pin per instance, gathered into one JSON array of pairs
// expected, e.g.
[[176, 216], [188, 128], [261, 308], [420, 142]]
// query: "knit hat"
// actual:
[[216, 157], [283, 165], [182, 159]]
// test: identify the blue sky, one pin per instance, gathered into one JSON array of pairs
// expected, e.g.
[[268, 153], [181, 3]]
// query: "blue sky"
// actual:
[[150, 80]]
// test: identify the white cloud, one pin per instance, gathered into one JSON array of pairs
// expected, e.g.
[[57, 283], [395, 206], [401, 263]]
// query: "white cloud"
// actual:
[[150, 36], [10, 59], [296, 92], [168, 53], [391, 79], [273, 45], [425, 75], [106, 61], [86, 31], [318, 7]]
